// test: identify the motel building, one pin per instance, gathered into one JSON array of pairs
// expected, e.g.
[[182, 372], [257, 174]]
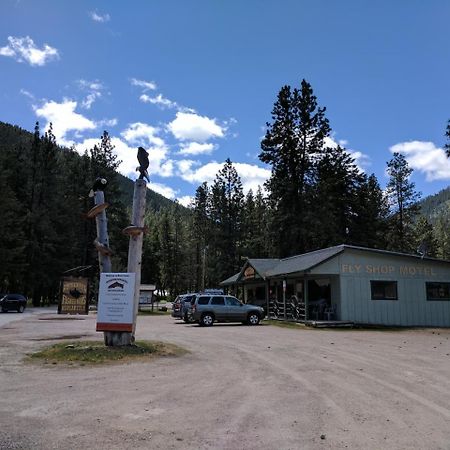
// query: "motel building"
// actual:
[[348, 284]]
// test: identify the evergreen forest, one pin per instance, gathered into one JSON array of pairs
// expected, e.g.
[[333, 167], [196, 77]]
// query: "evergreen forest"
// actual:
[[316, 197]]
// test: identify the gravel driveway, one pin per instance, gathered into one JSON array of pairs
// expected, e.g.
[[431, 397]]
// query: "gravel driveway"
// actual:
[[241, 387]]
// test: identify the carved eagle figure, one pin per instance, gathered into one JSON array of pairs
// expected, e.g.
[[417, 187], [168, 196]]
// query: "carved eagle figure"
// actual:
[[142, 157], [99, 185]]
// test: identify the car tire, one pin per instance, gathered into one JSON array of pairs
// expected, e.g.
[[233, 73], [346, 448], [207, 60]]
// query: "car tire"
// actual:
[[21, 309], [4, 310], [207, 320], [253, 319]]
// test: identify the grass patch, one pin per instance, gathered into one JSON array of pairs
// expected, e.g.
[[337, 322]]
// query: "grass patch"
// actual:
[[284, 324], [95, 352]]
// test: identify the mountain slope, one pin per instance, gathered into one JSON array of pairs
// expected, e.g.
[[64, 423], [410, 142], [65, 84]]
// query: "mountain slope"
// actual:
[[14, 137]]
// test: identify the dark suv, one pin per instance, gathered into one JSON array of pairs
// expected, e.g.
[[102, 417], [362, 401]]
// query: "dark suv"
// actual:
[[181, 306], [13, 302], [206, 309]]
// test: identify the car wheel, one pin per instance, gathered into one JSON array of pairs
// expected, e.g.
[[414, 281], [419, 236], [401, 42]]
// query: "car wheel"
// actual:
[[207, 320], [4, 310], [253, 319], [21, 309]]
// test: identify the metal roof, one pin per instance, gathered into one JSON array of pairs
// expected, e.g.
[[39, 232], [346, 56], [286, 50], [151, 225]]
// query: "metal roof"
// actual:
[[268, 268], [307, 261], [231, 280]]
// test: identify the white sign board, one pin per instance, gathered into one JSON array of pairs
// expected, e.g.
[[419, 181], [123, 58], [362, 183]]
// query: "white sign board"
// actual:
[[116, 302]]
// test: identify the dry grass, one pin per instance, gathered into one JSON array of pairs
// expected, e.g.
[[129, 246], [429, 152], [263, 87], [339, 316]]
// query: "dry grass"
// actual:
[[95, 352]]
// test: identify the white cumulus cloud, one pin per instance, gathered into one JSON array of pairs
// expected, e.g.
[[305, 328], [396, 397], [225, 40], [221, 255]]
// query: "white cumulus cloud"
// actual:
[[195, 148], [64, 119], [251, 175], [425, 157], [142, 134], [162, 189], [193, 127], [185, 200], [24, 49]]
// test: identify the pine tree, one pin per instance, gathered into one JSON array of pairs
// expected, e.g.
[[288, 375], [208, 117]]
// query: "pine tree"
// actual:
[[200, 234], [424, 238], [226, 200], [104, 164], [442, 235], [402, 198], [292, 143], [12, 245], [370, 221], [335, 198]]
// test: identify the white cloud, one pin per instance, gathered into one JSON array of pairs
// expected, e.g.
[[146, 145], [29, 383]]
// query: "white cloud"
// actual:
[[142, 134], [195, 148], [107, 122], [146, 85], [90, 99], [190, 126], [162, 189], [425, 157], [102, 18], [24, 49], [27, 94], [94, 89], [251, 175], [158, 100], [186, 200], [64, 119]]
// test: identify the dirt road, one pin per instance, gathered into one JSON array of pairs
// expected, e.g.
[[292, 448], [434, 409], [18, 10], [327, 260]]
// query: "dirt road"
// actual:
[[240, 387]]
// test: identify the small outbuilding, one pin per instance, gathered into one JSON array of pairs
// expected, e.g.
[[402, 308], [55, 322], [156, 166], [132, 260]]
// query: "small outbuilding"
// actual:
[[349, 284]]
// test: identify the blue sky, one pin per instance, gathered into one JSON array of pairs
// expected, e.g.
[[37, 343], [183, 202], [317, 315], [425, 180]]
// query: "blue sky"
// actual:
[[195, 81]]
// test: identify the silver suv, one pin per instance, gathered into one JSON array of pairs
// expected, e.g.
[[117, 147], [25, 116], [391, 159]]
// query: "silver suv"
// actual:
[[223, 308]]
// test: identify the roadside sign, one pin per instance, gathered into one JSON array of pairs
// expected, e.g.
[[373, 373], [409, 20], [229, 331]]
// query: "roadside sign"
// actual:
[[116, 302], [74, 296]]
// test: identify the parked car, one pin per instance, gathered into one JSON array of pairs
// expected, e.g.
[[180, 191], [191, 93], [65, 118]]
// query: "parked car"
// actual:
[[13, 302], [186, 310], [206, 309], [180, 306]]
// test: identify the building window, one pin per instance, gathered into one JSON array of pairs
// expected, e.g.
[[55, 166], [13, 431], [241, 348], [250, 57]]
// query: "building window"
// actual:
[[438, 291], [383, 290]]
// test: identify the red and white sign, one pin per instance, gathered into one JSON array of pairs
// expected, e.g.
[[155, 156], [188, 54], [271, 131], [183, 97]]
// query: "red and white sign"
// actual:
[[116, 302]]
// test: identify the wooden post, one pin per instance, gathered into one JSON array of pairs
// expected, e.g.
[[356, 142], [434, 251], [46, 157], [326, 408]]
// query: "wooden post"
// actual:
[[104, 259], [136, 240]]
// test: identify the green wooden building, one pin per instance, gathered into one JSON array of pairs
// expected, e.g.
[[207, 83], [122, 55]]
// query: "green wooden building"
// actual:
[[349, 283]]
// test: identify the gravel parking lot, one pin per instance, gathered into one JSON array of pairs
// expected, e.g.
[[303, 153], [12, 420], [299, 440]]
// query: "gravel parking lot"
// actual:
[[240, 387]]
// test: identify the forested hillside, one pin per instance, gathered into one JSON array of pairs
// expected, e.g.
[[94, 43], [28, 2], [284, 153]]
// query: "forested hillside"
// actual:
[[436, 206], [44, 199], [15, 137]]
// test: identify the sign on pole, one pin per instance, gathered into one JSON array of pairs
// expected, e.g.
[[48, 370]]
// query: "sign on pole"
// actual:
[[74, 296], [116, 302]]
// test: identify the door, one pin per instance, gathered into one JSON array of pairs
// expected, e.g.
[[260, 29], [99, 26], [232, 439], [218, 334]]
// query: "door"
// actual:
[[235, 309], [218, 307]]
